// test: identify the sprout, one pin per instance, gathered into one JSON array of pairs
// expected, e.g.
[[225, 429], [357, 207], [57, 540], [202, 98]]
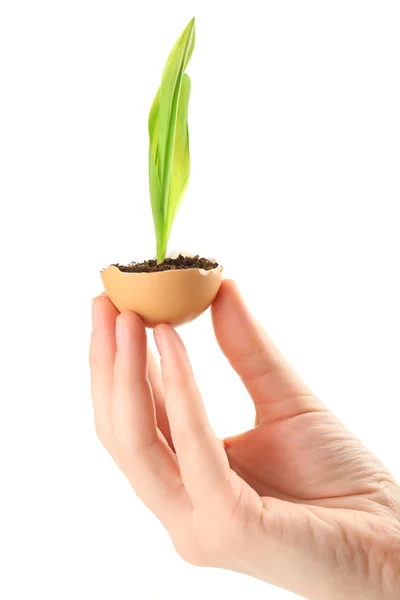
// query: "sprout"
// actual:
[[169, 159]]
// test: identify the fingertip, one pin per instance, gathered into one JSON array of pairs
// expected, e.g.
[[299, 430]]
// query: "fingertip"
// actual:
[[104, 314], [96, 300], [228, 293], [104, 303], [163, 331], [166, 338], [161, 327], [174, 358], [228, 286], [130, 328], [228, 308], [237, 332], [102, 342], [131, 341], [131, 319]]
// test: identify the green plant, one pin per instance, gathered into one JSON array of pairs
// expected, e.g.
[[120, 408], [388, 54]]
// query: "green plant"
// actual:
[[169, 158]]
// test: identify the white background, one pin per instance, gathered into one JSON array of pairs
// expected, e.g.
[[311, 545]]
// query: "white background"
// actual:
[[295, 129]]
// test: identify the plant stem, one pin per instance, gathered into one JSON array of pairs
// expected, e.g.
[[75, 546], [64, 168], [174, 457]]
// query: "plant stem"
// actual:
[[161, 250]]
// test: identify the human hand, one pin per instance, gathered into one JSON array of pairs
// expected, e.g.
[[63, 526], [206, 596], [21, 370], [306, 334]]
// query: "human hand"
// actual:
[[297, 501]]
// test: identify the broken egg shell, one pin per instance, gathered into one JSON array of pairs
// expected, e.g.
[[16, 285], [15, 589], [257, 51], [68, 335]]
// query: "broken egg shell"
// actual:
[[174, 297]]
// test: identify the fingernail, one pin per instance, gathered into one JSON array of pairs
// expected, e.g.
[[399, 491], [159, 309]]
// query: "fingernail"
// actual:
[[118, 331], [95, 316]]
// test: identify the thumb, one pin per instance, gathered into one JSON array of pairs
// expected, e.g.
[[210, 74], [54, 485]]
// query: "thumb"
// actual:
[[277, 390]]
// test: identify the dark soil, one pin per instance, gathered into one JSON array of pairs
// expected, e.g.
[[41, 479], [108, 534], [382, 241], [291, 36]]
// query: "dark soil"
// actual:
[[169, 264]]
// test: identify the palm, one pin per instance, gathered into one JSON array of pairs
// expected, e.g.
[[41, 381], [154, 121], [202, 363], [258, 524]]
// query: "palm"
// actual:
[[299, 459]]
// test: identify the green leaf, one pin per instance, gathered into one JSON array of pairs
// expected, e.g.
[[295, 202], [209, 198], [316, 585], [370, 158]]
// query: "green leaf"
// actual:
[[155, 184], [181, 160], [169, 159]]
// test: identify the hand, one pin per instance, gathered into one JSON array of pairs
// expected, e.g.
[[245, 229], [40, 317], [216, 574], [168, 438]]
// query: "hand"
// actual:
[[297, 501]]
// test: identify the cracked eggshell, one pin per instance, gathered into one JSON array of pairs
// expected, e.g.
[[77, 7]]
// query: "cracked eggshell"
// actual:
[[174, 297]]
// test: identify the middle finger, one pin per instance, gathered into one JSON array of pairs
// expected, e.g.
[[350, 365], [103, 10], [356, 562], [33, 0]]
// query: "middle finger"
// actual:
[[148, 462]]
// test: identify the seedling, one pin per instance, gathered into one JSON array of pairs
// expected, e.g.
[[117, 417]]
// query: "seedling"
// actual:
[[169, 154], [167, 290]]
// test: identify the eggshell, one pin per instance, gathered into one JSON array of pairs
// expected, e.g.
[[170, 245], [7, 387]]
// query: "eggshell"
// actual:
[[175, 297]]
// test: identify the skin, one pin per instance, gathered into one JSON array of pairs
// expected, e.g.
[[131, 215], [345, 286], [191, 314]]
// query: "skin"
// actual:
[[297, 501]]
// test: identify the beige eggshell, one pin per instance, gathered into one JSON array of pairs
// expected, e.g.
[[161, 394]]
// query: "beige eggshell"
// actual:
[[174, 297]]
